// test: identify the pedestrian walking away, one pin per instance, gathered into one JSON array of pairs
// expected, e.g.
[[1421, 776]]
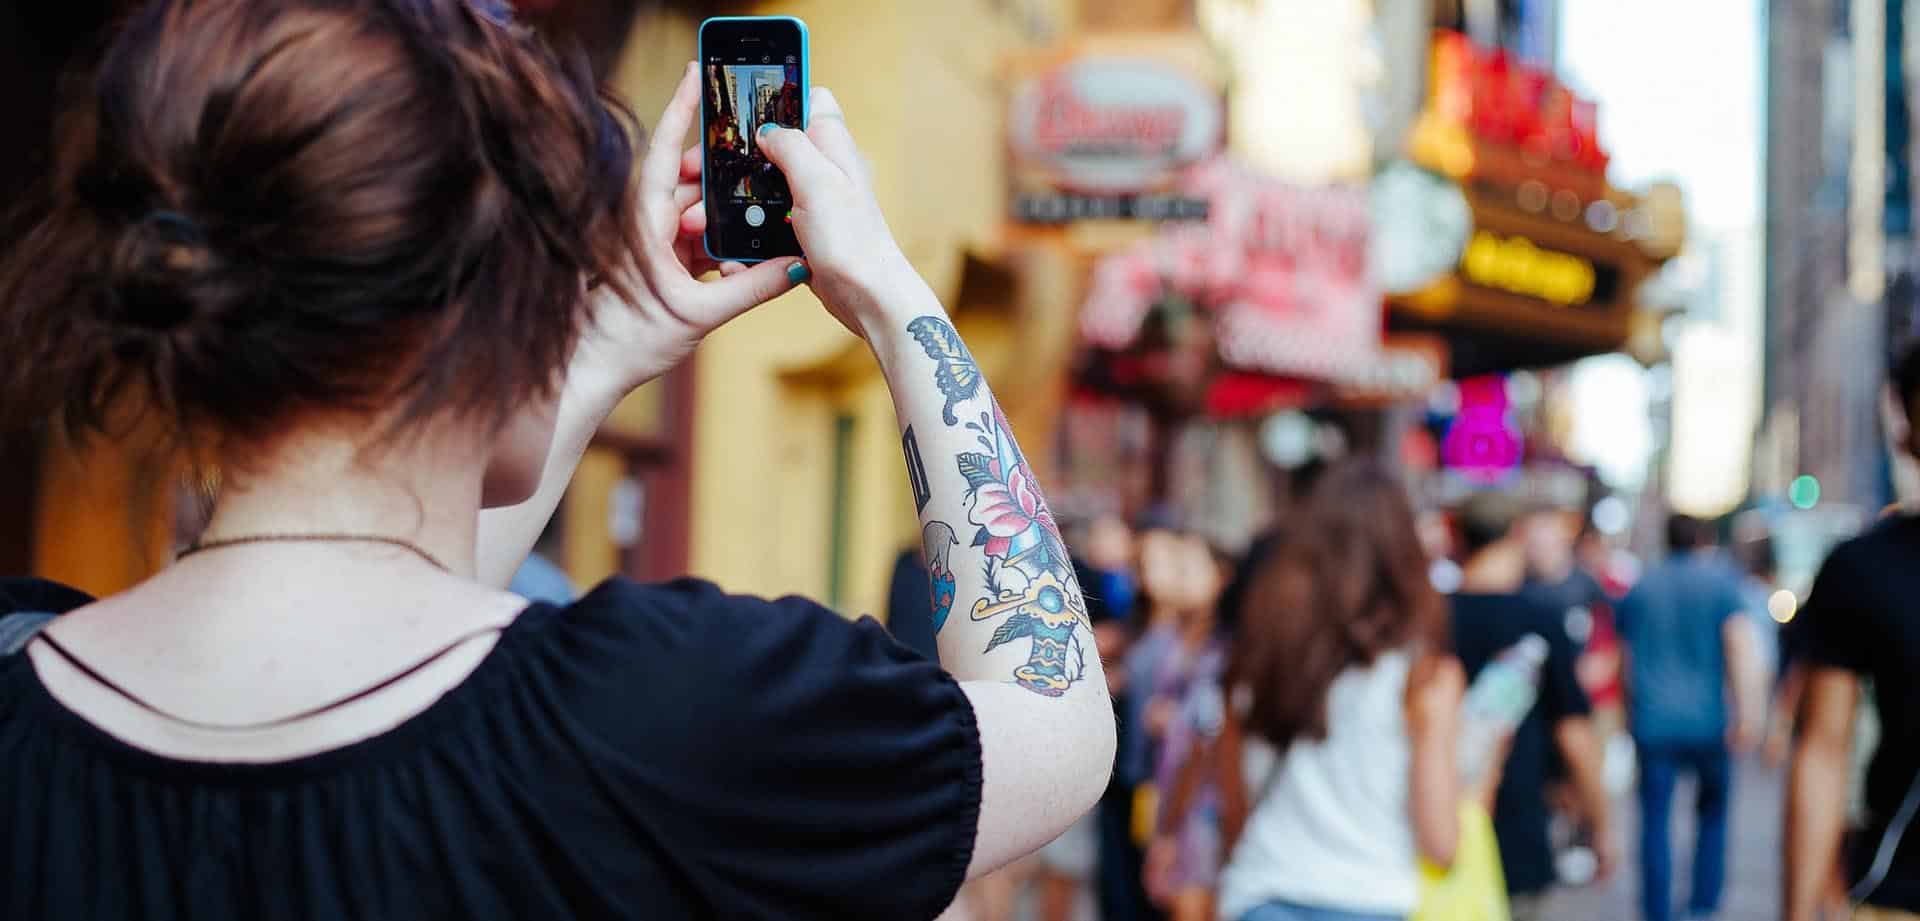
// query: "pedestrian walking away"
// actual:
[[1490, 616], [1692, 688], [1858, 626], [1339, 672]]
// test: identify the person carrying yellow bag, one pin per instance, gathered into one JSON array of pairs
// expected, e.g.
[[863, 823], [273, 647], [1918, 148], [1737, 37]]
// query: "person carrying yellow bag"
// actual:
[[1475, 887], [1339, 673]]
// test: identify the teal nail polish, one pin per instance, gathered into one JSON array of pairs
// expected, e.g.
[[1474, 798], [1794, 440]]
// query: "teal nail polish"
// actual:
[[798, 273], [766, 127]]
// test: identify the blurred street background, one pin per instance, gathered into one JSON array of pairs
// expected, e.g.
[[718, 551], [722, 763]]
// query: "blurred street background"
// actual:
[[1612, 260]]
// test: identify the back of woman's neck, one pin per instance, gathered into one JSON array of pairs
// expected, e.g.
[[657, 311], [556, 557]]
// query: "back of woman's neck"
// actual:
[[322, 485]]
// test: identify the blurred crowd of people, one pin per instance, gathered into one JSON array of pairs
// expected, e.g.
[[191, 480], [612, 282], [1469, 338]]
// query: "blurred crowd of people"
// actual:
[[1299, 721], [1291, 716]]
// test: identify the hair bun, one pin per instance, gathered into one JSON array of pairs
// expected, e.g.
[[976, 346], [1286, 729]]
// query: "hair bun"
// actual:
[[380, 208], [155, 273]]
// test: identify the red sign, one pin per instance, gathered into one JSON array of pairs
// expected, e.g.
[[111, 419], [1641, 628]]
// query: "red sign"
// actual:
[[1281, 268], [1505, 101]]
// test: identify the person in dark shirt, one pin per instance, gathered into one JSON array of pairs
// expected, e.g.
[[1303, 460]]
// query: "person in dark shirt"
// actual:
[[1556, 581], [910, 605], [1490, 614], [1692, 669], [1555, 576], [343, 252], [1860, 624]]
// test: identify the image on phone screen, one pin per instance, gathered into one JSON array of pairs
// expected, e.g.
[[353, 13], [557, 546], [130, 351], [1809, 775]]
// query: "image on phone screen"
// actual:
[[752, 75], [744, 97]]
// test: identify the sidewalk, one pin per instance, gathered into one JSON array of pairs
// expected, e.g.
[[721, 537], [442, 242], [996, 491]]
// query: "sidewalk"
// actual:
[[1753, 866]]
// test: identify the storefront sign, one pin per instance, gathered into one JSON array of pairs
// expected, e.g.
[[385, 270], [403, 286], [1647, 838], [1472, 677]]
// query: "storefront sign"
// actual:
[[1548, 263], [1105, 135], [1529, 289], [1517, 265], [1484, 443], [1421, 226], [1504, 101], [1408, 367], [1281, 269]]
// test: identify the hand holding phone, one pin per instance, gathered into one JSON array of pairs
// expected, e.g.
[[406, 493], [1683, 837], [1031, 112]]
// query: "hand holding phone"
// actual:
[[858, 270], [646, 323], [753, 72]]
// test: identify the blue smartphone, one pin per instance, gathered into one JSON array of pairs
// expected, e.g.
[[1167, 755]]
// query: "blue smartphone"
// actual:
[[753, 71]]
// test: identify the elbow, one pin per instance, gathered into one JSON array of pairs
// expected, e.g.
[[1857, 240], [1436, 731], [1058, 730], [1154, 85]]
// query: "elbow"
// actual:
[[1094, 760], [1102, 749]]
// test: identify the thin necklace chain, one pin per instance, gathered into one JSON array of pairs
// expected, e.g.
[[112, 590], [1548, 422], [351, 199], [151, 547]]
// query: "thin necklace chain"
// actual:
[[407, 545]]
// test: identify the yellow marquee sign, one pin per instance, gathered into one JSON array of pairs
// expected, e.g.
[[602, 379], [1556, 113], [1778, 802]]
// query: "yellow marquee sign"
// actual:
[[1516, 265]]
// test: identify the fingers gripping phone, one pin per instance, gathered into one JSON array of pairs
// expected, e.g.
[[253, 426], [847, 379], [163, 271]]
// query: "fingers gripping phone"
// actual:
[[753, 72]]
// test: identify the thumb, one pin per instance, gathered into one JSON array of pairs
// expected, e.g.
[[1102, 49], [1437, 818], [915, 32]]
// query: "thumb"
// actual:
[[732, 295], [805, 166]]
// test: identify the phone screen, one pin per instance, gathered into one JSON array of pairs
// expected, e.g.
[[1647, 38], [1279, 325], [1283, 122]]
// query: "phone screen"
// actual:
[[753, 72]]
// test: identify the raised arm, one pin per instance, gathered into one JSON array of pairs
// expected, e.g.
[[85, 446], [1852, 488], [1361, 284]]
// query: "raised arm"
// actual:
[[643, 325], [507, 533], [1008, 615]]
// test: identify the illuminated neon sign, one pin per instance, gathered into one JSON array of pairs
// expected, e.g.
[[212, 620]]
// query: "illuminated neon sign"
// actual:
[[1517, 265], [1484, 443]]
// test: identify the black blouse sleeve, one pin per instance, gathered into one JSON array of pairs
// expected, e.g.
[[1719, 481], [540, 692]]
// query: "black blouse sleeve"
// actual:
[[805, 766]]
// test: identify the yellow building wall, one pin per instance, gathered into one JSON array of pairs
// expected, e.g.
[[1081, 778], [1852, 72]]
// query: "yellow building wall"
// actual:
[[104, 520], [920, 85]]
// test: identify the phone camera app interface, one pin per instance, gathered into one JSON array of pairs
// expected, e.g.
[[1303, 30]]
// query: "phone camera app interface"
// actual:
[[741, 97]]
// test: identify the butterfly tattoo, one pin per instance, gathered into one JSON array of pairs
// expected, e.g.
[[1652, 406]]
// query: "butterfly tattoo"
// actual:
[[958, 374]]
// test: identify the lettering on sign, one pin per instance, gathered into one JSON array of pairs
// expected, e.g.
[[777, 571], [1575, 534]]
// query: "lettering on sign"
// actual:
[[1066, 123], [1061, 209], [1517, 265], [1113, 124]]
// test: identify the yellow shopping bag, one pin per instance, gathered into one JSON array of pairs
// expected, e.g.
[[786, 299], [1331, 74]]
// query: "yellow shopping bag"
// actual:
[[1146, 813], [1475, 889]]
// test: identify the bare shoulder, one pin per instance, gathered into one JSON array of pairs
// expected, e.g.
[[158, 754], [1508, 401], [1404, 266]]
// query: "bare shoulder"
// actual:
[[1436, 679]]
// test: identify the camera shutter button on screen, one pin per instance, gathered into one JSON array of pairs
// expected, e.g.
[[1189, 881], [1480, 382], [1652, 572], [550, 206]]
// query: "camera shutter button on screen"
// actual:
[[756, 216]]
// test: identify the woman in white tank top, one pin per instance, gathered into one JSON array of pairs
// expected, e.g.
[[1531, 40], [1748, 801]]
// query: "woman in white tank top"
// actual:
[[1339, 667]]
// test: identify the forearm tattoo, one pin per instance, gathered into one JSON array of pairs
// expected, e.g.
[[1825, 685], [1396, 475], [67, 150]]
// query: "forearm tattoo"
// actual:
[[1029, 577], [938, 541], [916, 470]]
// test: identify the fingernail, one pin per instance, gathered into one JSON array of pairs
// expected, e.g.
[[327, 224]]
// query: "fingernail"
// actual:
[[766, 128], [798, 273]]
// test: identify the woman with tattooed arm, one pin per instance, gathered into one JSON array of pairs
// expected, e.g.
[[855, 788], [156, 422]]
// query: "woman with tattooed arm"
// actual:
[[342, 251]]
